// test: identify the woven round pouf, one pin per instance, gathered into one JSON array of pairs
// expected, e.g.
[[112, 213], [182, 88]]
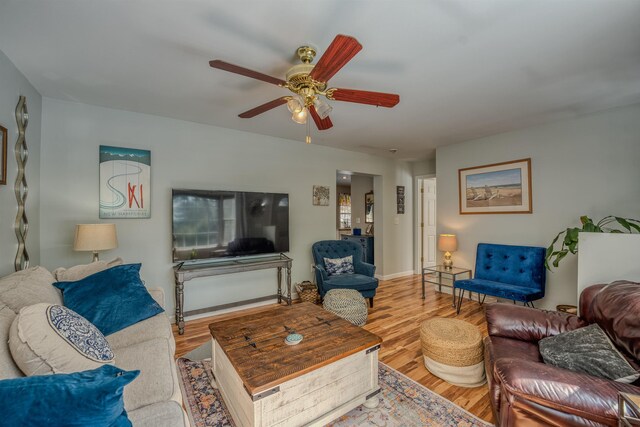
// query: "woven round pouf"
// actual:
[[348, 304], [453, 350]]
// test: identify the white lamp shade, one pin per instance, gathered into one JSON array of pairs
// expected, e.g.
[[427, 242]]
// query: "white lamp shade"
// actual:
[[447, 243], [95, 237]]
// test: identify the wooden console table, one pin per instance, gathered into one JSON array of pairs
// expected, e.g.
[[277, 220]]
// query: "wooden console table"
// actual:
[[184, 273]]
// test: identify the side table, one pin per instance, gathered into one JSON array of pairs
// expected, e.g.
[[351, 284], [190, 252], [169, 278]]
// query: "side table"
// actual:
[[440, 270], [628, 401]]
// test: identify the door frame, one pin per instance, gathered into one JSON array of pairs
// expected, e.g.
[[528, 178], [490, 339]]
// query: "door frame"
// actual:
[[417, 232]]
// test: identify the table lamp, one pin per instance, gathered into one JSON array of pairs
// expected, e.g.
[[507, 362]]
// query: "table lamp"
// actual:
[[447, 243], [94, 238]]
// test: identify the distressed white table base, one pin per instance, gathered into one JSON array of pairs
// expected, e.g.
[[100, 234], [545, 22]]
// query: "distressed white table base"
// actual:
[[313, 399]]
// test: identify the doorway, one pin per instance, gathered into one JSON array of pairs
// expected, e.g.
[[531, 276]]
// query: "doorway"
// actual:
[[426, 223]]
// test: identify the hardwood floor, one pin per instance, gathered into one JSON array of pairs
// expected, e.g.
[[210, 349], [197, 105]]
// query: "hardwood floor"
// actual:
[[397, 313]]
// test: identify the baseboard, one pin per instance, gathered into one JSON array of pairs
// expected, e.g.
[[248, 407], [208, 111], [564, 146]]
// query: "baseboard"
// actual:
[[395, 275]]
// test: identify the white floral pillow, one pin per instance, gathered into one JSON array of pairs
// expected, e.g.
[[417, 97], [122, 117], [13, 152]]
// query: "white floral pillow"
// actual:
[[336, 266], [50, 339]]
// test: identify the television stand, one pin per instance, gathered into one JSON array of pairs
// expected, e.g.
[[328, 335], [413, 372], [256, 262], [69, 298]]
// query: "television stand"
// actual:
[[184, 273]]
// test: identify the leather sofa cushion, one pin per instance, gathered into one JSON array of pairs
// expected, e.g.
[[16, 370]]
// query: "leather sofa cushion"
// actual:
[[507, 347], [615, 308], [569, 393]]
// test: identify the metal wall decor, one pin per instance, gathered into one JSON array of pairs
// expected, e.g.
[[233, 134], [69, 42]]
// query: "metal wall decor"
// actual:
[[21, 189], [3, 155]]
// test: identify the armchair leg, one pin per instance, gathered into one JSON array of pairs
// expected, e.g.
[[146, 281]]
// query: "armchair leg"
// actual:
[[371, 302], [460, 297]]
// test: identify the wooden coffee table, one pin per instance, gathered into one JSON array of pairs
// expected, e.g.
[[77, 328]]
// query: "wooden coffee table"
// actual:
[[266, 382]]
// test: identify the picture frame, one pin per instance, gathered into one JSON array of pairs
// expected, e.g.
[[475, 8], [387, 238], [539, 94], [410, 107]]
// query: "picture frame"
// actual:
[[321, 195], [125, 183], [498, 188], [368, 208], [400, 199], [3, 155]]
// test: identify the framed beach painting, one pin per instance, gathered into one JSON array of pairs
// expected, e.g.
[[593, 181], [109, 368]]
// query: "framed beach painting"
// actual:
[[499, 188]]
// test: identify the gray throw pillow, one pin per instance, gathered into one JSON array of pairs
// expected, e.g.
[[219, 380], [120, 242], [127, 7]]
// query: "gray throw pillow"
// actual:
[[587, 350]]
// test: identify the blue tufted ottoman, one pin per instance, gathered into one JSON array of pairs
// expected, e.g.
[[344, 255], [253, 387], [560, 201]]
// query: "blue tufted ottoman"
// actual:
[[348, 304]]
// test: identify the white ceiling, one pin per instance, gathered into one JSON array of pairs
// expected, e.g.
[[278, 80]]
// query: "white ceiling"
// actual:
[[463, 68]]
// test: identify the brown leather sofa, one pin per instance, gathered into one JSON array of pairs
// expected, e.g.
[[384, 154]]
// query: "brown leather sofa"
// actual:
[[525, 391]]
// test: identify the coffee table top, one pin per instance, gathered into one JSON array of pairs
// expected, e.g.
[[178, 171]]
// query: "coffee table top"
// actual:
[[255, 343]]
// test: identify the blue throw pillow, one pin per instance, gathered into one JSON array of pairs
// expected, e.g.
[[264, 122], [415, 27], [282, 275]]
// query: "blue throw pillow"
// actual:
[[88, 398], [112, 299], [339, 265]]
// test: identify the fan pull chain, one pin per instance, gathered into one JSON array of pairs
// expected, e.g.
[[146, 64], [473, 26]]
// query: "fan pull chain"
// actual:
[[308, 138]]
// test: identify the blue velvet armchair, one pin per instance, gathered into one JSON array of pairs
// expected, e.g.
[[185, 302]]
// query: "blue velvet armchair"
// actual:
[[361, 280]]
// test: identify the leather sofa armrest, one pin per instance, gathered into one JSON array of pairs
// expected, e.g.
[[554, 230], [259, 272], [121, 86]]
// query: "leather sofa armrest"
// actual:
[[528, 324], [158, 295], [365, 268], [586, 297], [565, 391]]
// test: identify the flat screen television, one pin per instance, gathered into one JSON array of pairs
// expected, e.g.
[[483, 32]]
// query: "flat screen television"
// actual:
[[226, 224]]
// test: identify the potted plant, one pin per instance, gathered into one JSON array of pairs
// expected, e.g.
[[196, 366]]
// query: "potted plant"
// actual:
[[608, 224]]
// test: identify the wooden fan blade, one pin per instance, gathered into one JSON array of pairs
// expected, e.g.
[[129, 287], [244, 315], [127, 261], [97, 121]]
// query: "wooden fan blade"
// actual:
[[221, 65], [264, 107], [322, 124], [378, 99], [339, 52]]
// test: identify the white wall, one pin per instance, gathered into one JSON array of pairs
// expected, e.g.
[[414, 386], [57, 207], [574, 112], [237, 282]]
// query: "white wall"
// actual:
[[423, 167], [12, 85], [606, 257], [190, 155], [585, 166]]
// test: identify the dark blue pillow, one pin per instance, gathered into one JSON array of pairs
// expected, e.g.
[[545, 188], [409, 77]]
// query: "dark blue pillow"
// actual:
[[88, 398], [111, 299]]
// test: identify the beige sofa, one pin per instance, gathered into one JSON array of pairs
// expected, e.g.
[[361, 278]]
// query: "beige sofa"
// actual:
[[151, 400]]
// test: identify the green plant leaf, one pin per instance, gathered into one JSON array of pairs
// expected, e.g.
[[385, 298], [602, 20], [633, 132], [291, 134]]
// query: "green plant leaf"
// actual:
[[591, 228], [571, 236], [606, 220], [623, 222], [634, 226], [559, 257]]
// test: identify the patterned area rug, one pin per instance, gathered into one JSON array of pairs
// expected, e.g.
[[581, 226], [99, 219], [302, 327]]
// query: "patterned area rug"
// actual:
[[403, 402]]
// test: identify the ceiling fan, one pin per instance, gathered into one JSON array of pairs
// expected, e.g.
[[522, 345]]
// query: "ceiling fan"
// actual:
[[308, 82]]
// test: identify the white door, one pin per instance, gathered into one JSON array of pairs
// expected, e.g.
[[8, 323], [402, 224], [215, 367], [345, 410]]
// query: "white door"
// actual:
[[428, 222]]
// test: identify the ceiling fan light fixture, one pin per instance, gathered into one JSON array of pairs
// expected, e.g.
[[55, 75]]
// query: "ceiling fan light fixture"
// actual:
[[295, 104], [322, 107], [300, 116]]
